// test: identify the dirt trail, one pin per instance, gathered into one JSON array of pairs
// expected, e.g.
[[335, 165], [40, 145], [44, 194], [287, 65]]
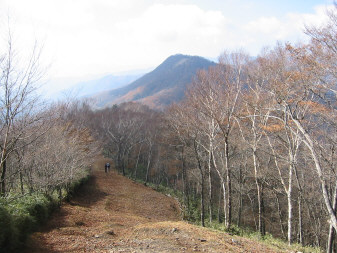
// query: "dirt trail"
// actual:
[[114, 214]]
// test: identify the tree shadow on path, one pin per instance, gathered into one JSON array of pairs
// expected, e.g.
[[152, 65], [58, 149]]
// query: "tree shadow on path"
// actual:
[[86, 197]]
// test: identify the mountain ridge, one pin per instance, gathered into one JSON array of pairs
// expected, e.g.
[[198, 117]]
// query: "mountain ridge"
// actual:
[[162, 86]]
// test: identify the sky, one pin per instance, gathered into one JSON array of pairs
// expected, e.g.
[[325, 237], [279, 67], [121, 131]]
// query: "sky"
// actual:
[[95, 37]]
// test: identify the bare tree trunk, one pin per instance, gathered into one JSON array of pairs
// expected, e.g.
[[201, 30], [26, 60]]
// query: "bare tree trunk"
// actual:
[[118, 162], [148, 165], [290, 206], [228, 220], [240, 210], [300, 215], [2, 178], [259, 197], [21, 183], [263, 225], [288, 188], [219, 205], [30, 180], [185, 181], [240, 198], [224, 200], [223, 185], [252, 208], [210, 195], [332, 233], [59, 189], [123, 162], [126, 162], [300, 220], [310, 145], [202, 214], [280, 215], [137, 162], [260, 207]]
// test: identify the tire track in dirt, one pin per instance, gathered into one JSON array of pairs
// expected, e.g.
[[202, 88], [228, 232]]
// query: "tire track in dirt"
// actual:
[[115, 214]]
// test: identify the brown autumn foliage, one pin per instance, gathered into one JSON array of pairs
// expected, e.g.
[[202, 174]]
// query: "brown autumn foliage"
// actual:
[[253, 143]]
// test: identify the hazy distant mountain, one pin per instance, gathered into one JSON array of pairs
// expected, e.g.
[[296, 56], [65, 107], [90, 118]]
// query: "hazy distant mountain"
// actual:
[[162, 86], [108, 82]]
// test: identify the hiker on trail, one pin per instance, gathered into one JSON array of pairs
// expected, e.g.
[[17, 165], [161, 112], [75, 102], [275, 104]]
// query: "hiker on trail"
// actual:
[[107, 167]]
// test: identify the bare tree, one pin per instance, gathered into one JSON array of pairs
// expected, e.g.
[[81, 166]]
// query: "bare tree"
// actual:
[[18, 103], [121, 127], [252, 123]]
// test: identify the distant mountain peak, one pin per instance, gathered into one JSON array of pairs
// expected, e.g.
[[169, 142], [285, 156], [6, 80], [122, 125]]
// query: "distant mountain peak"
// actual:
[[162, 86]]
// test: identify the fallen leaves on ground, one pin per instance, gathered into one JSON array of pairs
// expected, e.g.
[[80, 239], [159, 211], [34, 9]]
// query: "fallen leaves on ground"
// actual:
[[115, 214]]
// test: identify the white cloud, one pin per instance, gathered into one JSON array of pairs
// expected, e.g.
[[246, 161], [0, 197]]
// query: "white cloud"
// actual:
[[144, 40], [290, 27], [172, 28], [264, 25], [86, 37]]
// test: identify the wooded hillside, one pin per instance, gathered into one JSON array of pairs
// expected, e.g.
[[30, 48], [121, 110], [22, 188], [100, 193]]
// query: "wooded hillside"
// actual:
[[253, 143]]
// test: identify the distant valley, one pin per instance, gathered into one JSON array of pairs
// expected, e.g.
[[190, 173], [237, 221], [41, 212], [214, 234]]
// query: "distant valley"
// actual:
[[105, 83], [86, 87]]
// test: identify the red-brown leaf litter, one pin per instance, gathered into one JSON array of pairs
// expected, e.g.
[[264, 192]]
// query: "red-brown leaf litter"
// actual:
[[114, 214]]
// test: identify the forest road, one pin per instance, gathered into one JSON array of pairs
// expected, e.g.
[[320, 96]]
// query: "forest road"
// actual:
[[114, 214]]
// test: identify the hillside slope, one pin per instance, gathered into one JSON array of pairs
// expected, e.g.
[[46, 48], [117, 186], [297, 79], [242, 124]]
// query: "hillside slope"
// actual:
[[115, 214], [162, 86]]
